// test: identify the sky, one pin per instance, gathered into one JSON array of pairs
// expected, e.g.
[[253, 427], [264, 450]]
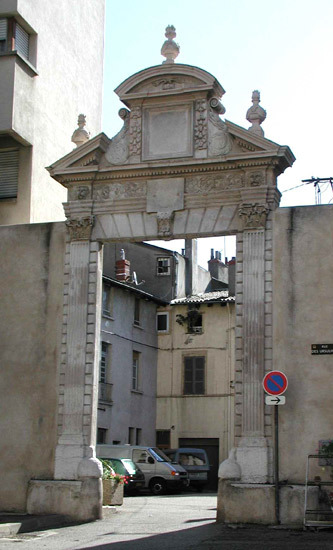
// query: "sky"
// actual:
[[283, 48]]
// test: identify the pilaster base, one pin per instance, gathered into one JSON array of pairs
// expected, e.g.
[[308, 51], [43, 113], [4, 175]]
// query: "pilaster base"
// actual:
[[79, 500], [252, 457], [255, 503]]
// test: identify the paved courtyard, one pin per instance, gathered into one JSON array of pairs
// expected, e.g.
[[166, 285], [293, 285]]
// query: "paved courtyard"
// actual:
[[177, 522]]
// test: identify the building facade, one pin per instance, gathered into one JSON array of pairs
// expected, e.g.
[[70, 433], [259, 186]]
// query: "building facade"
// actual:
[[195, 382], [45, 65], [128, 365]]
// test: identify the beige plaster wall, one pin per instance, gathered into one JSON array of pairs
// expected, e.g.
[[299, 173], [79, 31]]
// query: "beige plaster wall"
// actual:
[[303, 315], [31, 281], [210, 415], [43, 109]]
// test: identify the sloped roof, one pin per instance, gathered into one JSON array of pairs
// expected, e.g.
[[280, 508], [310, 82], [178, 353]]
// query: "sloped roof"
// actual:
[[220, 296]]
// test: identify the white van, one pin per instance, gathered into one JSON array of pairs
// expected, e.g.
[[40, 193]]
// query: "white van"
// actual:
[[159, 473]]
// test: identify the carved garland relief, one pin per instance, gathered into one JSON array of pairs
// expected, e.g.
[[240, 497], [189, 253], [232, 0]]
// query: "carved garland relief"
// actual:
[[200, 128], [135, 131], [123, 190], [213, 183]]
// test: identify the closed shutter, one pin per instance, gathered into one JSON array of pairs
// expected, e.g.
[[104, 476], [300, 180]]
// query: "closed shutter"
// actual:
[[21, 41], [8, 174], [3, 35]]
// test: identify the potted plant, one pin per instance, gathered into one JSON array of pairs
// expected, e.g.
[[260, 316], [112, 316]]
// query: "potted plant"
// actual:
[[113, 486]]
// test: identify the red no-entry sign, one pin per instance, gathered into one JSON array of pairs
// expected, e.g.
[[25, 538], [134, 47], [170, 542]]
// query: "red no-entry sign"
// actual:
[[275, 382]]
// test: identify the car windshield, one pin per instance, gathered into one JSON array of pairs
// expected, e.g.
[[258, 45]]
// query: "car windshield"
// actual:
[[159, 455], [118, 466], [129, 465]]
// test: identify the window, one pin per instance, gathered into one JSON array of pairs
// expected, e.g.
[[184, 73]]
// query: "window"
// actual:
[[194, 322], [163, 439], [131, 432], [13, 37], [137, 311], [9, 162], [135, 371], [162, 321], [163, 266], [105, 357], [138, 436], [194, 376], [107, 299], [101, 436]]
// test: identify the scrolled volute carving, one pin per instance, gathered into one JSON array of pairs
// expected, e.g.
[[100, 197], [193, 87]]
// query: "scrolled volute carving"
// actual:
[[79, 229], [253, 216]]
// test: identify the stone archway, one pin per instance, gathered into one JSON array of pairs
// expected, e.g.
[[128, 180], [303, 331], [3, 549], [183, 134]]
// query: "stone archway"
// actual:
[[175, 170]]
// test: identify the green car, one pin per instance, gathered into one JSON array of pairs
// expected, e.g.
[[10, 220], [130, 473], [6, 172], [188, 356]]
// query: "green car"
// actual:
[[134, 478]]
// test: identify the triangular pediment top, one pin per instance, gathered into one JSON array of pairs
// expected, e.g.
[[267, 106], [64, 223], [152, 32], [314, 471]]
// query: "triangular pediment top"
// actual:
[[88, 154], [167, 78], [247, 142]]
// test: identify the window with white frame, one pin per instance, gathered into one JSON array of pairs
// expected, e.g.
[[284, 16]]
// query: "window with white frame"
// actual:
[[107, 299], [135, 370], [162, 321], [9, 165], [104, 364], [194, 375], [163, 266]]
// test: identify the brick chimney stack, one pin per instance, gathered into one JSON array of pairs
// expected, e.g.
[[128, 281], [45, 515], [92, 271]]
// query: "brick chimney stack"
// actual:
[[123, 268], [217, 268]]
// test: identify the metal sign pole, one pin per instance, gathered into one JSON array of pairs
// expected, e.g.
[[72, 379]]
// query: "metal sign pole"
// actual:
[[276, 465]]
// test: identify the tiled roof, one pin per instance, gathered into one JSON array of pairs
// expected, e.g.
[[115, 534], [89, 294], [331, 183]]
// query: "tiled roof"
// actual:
[[204, 297]]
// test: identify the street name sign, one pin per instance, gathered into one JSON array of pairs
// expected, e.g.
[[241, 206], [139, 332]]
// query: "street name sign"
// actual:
[[275, 400], [275, 382], [321, 349]]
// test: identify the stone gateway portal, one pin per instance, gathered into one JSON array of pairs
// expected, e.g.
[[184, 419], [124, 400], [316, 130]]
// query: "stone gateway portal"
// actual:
[[175, 170]]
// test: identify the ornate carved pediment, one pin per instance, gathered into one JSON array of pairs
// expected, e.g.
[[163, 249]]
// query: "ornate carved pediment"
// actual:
[[166, 83], [87, 155]]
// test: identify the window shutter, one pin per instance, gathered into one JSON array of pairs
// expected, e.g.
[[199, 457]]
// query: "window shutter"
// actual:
[[3, 29], [3, 35], [8, 174], [21, 41]]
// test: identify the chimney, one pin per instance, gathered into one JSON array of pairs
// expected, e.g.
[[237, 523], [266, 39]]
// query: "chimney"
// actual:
[[123, 268], [232, 275], [191, 276], [217, 268]]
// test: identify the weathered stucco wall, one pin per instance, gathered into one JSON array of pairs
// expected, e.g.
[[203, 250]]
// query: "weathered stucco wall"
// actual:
[[303, 315], [212, 414], [31, 279]]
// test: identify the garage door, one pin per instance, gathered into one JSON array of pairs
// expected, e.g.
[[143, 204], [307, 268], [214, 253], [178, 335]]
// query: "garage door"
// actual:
[[211, 446]]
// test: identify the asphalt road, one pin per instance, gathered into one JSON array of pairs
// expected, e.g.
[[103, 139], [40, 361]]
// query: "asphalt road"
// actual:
[[175, 522]]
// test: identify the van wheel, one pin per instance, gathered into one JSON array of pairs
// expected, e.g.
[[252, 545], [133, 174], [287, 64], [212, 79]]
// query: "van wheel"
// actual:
[[157, 486]]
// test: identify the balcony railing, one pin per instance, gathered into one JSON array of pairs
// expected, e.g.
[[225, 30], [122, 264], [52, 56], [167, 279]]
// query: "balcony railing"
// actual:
[[105, 392]]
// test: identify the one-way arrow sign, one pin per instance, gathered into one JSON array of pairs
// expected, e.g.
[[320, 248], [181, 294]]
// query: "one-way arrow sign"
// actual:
[[275, 400]]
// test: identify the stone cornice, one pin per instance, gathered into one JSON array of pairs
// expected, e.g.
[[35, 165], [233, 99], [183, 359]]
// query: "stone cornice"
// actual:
[[136, 172]]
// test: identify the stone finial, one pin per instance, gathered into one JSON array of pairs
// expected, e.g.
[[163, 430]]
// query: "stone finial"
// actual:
[[170, 49], [80, 135], [256, 114]]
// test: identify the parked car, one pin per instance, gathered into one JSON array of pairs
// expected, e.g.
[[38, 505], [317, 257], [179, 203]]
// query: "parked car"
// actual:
[[195, 462], [134, 477], [158, 471]]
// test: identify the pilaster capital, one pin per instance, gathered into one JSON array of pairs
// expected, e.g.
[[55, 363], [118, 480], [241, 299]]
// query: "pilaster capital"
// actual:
[[79, 229], [253, 216]]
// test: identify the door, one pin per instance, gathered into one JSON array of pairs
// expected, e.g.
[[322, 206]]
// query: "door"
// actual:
[[211, 446]]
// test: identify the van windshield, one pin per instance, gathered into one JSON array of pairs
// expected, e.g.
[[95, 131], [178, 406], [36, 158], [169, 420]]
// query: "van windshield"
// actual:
[[159, 455]]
